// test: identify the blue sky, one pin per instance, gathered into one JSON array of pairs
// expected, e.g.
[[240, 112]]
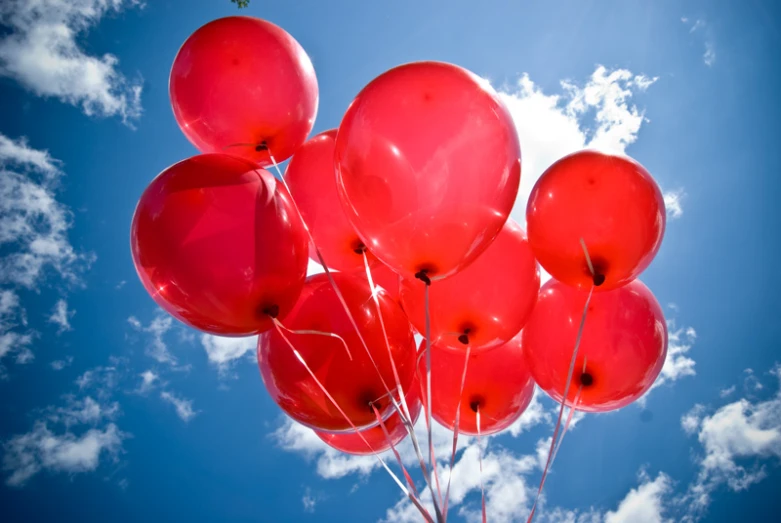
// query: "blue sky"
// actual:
[[112, 410]]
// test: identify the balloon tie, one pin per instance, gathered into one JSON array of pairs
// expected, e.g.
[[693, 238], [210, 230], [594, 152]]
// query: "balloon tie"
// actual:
[[455, 429], [480, 460], [563, 402], [422, 275], [598, 278], [415, 501], [405, 406], [318, 333]]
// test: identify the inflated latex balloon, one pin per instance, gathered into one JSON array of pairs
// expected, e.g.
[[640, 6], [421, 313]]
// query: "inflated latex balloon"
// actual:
[[312, 181], [218, 244], [384, 277], [621, 353], [610, 202], [428, 167], [497, 383], [245, 86], [353, 383], [351, 443], [487, 303]]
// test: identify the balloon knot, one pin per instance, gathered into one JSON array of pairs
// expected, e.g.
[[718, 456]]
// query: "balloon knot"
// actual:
[[360, 249], [599, 279], [464, 339], [422, 275], [586, 379], [272, 311], [262, 146]]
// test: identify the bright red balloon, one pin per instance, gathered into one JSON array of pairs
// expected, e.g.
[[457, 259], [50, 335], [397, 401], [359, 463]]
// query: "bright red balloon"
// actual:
[[383, 276], [428, 167], [497, 383], [352, 383], [312, 181], [609, 201], [351, 443], [624, 344], [245, 86], [487, 303], [217, 243]]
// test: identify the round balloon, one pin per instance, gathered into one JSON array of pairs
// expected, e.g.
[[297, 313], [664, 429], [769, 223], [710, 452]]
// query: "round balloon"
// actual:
[[621, 353], [487, 303], [312, 181], [351, 379], [352, 443], [428, 167], [498, 384], [245, 86], [610, 202], [218, 244]]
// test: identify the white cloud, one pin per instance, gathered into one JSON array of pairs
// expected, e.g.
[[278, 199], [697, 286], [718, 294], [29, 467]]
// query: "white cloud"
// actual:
[[61, 364], [157, 328], [673, 203], [723, 393], [61, 316], [309, 501], [598, 114], [223, 351], [645, 504], [534, 414], [148, 380], [699, 26], [184, 407], [41, 449], [41, 50], [690, 422], [678, 364]]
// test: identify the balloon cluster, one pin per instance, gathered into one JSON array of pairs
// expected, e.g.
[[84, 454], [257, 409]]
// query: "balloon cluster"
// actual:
[[407, 206]]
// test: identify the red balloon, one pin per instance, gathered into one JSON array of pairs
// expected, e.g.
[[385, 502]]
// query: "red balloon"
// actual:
[[428, 167], [609, 201], [352, 383], [624, 344], [312, 181], [487, 303], [244, 86], [217, 243], [497, 383], [351, 443], [383, 276]]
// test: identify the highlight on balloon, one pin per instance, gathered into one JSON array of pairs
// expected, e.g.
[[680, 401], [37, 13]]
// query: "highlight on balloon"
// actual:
[[406, 204]]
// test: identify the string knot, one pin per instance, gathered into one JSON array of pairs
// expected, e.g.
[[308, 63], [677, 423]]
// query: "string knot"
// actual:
[[272, 311], [262, 146], [422, 275]]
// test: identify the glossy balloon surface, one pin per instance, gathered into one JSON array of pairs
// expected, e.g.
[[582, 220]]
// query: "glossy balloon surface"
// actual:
[[622, 351], [245, 86], [609, 201], [428, 167], [312, 181], [498, 383], [351, 443], [217, 243], [352, 383], [484, 305]]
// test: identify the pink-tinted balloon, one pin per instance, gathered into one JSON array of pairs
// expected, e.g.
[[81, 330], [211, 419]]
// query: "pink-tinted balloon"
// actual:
[[217, 243], [245, 86], [487, 303], [428, 167], [621, 353]]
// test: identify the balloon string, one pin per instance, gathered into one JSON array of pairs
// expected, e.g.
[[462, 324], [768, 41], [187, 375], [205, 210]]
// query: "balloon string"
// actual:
[[408, 422], [566, 425], [480, 460], [431, 457], [563, 402], [395, 452], [322, 388], [455, 428], [321, 333]]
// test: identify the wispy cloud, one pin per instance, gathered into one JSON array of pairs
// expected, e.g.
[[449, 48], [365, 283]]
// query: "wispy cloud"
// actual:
[[61, 364], [223, 352], [184, 407], [61, 316], [701, 28], [156, 347], [673, 202], [42, 50]]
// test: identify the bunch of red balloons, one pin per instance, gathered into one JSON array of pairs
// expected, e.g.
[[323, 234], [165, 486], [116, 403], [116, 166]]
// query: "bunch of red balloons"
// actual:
[[414, 190]]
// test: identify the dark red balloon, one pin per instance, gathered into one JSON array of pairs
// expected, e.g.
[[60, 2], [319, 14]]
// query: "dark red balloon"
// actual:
[[609, 201], [428, 167], [497, 383], [312, 180], [484, 305], [351, 443], [352, 383], [217, 243], [245, 86], [624, 344]]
